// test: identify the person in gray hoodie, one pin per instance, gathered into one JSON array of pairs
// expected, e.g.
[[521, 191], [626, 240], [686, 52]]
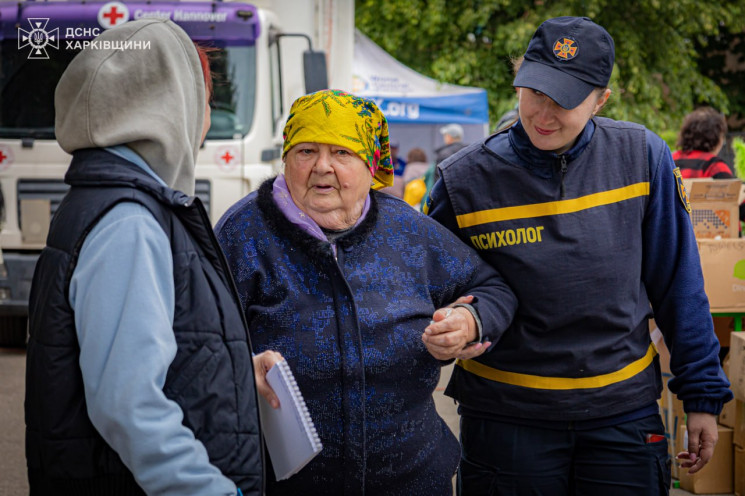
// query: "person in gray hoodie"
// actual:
[[140, 377]]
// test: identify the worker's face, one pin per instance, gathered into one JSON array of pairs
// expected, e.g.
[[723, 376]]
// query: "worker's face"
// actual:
[[328, 182], [551, 127]]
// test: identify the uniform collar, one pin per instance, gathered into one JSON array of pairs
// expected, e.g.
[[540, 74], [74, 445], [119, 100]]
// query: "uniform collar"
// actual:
[[532, 157]]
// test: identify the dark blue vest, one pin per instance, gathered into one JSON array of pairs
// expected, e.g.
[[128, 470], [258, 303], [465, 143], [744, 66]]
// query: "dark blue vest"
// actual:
[[211, 377], [570, 246]]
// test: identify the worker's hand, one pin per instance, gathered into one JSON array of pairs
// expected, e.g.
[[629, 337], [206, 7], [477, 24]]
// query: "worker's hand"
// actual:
[[702, 438], [450, 331], [472, 350], [262, 363]]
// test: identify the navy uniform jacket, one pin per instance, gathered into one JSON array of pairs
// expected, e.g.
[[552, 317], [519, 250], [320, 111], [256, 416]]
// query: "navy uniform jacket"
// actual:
[[587, 240]]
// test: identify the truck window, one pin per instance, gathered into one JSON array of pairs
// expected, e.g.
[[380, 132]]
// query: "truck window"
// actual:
[[27, 91], [234, 95]]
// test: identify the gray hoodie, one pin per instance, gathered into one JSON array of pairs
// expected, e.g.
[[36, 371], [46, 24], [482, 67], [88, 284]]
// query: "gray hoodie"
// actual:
[[149, 99]]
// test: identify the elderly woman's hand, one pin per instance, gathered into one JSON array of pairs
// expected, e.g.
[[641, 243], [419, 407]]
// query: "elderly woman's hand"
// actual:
[[449, 335], [262, 363]]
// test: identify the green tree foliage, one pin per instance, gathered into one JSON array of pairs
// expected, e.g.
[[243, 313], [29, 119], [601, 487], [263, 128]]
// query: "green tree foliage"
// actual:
[[659, 43], [738, 146], [724, 63]]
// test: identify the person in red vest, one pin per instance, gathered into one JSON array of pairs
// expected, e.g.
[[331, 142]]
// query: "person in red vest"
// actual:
[[701, 139]]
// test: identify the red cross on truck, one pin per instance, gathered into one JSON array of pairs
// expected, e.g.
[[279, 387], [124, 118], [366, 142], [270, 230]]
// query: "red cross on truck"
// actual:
[[113, 14]]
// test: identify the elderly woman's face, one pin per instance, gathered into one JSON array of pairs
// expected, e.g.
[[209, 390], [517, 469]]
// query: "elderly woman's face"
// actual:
[[328, 182]]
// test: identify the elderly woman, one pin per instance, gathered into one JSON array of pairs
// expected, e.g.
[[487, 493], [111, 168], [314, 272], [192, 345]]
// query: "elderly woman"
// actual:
[[343, 281]]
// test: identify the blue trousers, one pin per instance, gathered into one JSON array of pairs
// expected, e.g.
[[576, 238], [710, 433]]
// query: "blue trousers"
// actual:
[[504, 459]]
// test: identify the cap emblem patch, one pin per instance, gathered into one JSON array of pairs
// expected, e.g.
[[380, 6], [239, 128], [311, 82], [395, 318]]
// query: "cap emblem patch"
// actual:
[[565, 48]]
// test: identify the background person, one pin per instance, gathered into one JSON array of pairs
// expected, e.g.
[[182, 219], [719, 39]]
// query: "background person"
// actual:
[[452, 136], [343, 281], [399, 166], [701, 138], [418, 178], [416, 165], [139, 373], [587, 221]]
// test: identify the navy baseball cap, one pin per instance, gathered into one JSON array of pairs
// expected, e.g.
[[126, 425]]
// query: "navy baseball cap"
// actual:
[[567, 58]]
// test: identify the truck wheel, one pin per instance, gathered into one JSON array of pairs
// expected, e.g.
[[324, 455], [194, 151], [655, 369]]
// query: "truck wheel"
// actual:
[[13, 330]]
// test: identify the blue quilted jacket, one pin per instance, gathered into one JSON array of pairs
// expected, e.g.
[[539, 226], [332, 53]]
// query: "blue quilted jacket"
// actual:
[[350, 327]]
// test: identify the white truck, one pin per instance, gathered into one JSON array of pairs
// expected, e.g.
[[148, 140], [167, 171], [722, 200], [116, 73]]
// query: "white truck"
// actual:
[[269, 52]]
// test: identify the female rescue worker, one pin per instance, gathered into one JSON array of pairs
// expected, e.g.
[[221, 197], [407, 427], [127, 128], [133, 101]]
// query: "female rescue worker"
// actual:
[[587, 220]]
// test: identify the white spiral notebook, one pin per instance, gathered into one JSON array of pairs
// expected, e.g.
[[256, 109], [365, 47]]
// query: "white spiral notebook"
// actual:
[[289, 433]]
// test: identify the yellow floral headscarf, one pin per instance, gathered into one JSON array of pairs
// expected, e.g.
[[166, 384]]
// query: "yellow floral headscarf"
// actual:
[[339, 118]]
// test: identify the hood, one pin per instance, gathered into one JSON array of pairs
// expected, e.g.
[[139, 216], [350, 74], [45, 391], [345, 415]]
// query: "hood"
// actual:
[[148, 93]]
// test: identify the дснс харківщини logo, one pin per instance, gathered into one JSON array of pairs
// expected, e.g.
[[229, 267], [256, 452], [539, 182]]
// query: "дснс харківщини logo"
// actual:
[[38, 38]]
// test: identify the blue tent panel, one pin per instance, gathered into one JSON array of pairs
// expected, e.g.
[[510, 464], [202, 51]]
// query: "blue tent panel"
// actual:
[[463, 108]]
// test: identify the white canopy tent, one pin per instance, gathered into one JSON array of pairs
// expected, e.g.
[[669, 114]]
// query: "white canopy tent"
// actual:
[[415, 106]]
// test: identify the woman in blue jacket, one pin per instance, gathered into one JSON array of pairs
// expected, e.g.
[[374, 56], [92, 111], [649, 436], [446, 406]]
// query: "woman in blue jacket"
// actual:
[[587, 221], [343, 281]]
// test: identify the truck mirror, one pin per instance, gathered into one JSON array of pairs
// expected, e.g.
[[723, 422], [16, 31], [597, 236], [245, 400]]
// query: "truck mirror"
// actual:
[[314, 68]]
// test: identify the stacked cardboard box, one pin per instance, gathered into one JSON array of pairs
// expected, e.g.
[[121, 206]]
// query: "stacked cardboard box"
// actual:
[[716, 476], [725, 472], [735, 368], [715, 219], [723, 265], [671, 408], [714, 207]]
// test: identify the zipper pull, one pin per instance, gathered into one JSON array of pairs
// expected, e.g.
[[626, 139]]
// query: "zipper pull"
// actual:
[[563, 173]]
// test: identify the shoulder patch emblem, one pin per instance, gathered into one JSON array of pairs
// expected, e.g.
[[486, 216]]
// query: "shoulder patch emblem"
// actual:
[[682, 190], [565, 48]]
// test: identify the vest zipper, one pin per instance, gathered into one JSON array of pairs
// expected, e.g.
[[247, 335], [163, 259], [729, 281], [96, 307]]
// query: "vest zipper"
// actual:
[[563, 173]]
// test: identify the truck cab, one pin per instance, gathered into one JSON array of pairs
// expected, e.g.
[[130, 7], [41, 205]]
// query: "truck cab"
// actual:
[[266, 54]]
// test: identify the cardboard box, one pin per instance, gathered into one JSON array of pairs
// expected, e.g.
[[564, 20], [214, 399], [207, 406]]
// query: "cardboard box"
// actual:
[[714, 207], [717, 476], [736, 365], [739, 471], [727, 416], [673, 417], [723, 265], [738, 435], [671, 408], [655, 334]]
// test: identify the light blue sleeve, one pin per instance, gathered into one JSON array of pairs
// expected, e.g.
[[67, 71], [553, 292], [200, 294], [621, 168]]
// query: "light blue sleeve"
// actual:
[[123, 295]]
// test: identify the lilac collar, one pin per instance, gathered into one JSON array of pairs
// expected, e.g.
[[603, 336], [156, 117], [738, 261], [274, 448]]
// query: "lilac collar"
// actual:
[[282, 198]]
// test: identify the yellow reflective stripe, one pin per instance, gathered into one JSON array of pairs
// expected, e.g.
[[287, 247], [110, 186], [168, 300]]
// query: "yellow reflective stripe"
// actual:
[[553, 208], [540, 382]]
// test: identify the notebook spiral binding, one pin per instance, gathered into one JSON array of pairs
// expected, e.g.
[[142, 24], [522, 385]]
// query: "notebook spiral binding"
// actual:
[[302, 407]]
